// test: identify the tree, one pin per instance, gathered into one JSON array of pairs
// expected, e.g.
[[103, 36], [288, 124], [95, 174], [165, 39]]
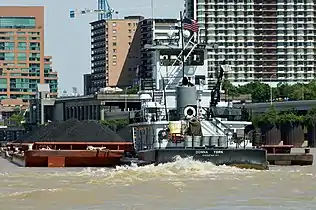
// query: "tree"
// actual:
[[133, 90], [310, 118], [283, 91], [229, 89], [260, 92], [115, 124], [289, 117], [273, 117], [270, 117], [16, 119]]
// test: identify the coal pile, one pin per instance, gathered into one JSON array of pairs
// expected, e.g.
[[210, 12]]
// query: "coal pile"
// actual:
[[71, 131], [125, 133]]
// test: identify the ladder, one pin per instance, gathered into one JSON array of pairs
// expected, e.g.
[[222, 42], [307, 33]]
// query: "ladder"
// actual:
[[158, 97], [176, 70]]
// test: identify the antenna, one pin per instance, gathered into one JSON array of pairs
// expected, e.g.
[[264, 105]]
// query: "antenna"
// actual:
[[74, 91], [152, 9]]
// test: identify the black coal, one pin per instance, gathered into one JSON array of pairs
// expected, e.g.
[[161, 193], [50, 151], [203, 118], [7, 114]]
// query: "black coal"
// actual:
[[71, 131]]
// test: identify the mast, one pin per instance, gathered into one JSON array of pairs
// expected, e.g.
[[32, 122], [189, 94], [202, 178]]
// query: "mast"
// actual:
[[182, 44]]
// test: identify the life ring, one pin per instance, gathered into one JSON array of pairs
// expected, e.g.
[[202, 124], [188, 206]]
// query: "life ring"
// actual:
[[189, 112]]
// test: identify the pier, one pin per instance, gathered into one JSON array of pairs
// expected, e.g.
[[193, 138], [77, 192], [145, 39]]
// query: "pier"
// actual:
[[283, 155]]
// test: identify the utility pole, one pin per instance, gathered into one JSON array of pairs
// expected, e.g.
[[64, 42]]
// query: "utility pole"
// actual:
[[125, 99], [271, 90]]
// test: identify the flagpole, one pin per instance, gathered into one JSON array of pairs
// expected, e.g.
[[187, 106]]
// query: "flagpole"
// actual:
[[182, 44]]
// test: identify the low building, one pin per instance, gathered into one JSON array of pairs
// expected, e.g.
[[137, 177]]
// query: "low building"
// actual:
[[100, 106]]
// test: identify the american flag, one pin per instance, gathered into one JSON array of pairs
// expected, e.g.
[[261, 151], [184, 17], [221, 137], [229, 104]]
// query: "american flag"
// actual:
[[191, 25]]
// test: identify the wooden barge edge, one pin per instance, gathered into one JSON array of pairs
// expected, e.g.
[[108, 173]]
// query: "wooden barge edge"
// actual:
[[289, 159], [282, 155]]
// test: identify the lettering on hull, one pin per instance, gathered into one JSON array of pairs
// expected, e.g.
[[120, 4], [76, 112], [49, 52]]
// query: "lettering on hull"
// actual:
[[209, 153]]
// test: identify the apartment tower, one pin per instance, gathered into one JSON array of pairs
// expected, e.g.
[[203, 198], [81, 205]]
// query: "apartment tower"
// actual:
[[155, 32], [270, 41], [115, 52], [22, 61]]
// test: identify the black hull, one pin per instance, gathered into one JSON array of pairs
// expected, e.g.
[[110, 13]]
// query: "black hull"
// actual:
[[242, 158]]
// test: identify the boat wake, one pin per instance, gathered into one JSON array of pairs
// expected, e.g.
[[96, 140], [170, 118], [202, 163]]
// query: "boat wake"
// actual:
[[180, 169]]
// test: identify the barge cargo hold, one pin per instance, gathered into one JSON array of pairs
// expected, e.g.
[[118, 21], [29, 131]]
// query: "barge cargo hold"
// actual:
[[68, 144], [92, 154]]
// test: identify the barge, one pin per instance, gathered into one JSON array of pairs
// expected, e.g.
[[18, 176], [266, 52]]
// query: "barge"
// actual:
[[85, 152], [282, 155]]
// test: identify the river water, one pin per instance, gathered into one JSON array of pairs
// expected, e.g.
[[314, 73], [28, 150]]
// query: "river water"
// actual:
[[185, 184]]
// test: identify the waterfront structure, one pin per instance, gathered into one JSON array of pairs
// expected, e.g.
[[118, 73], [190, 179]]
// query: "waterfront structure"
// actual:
[[158, 32], [22, 61], [98, 106], [115, 52], [267, 41]]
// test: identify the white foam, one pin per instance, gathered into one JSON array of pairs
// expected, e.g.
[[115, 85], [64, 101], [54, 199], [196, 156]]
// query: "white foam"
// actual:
[[180, 169]]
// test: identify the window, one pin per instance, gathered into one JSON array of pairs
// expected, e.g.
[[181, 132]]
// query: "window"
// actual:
[[114, 37], [17, 22], [7, 56], [6, 45], [34, 46], [130, 37], [114, 31], [21, 56], [22, 46], [129, 24], [114, 43], [34, 56], [114, 57], [114, 63], [129, 30], [114, 24], [3, 83], [114, 50]]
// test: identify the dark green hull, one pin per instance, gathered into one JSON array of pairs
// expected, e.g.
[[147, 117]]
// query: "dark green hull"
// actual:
[[243, 158]]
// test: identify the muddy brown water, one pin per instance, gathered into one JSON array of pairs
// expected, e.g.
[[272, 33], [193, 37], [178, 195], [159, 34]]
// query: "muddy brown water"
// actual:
[[185, 184]]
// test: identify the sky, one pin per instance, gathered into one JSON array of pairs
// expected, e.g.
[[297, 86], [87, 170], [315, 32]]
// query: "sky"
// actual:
[[68, 40]]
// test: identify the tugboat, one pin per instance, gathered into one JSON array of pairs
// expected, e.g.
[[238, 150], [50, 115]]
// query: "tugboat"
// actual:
[[181, 117]]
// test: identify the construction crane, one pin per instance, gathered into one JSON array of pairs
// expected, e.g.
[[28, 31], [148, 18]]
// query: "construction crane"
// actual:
[[104, 11]]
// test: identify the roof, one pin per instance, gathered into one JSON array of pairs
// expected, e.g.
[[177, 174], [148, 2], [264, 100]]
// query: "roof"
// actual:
[[285, 105]]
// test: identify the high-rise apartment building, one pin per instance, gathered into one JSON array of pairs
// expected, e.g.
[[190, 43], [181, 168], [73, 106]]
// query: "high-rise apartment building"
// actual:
[[50, 76], [22, 61], [270, 41], [115, 52], [87, 84], [155, 32]]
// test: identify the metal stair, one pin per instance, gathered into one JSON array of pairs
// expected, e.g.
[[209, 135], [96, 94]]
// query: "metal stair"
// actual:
[[177, 70], [158, 97]]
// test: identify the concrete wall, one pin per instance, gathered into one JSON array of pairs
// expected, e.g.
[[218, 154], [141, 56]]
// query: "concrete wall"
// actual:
[[58, 113]]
